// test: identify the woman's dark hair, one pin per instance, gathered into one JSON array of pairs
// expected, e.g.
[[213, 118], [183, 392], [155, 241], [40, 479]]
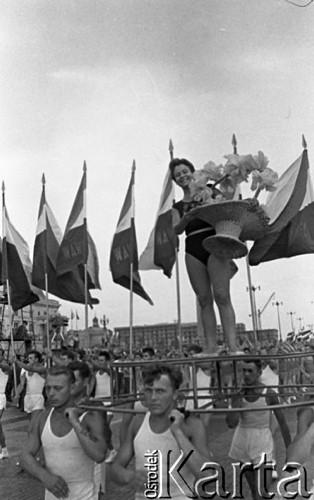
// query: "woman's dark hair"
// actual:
[[180, 161]]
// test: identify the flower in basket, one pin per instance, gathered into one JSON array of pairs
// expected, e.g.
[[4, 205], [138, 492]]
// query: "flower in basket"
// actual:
[[265, 179], [199, 190], [215, 172], [261, 161], [239, 167]]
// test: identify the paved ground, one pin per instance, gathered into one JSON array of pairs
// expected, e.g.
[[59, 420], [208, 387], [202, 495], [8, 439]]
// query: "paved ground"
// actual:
[[17, 485]]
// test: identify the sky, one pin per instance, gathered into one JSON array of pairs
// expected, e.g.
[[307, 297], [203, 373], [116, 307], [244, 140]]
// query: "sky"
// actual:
[[111, 82]]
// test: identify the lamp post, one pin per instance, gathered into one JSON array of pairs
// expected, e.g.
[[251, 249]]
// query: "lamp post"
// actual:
[[252, 289], [291, 314], [278, 304], [300, 326]]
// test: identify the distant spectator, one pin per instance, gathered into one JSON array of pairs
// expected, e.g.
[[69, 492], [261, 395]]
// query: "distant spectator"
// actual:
[[102, 380], [148, 353]]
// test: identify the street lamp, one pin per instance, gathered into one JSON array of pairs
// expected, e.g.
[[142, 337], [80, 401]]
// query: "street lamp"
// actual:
[[300, 326], [252, 289], [278, 304], [291, 314]]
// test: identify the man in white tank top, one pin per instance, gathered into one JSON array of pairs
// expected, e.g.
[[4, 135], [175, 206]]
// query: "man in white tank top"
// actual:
[[72, 441], [162, 432], [33, 375], [253, 438], [102, 388], [4, 375]]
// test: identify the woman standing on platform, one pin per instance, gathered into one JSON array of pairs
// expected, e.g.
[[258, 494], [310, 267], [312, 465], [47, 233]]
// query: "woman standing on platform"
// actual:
[[209, 275]]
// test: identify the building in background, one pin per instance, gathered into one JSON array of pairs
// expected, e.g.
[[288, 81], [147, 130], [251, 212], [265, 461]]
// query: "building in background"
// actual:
[[32, 317], [163, 335]]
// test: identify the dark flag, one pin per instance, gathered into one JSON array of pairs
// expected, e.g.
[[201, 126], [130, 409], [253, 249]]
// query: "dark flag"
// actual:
[[69, 286], [291, 208], [77, 247], [124, 248], [16, 267], [160, 252]]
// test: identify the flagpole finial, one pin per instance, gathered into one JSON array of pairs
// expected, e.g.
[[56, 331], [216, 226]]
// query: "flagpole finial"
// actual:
[[84, 166], [133, 166], [43, 179], [171, 148], [304, 143], [234, 144]]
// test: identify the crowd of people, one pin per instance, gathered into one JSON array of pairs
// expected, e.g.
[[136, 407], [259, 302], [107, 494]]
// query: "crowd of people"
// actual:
[[69, 449]]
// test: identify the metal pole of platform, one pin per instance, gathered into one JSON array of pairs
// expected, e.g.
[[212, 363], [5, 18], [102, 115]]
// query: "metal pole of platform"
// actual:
[[253, 309], [179, 323]]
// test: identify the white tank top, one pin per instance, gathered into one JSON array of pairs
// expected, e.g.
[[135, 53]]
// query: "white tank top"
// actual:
[[145, 442], [256, 419], [102, 385], [3, 381], [64, 456], [35, 383]]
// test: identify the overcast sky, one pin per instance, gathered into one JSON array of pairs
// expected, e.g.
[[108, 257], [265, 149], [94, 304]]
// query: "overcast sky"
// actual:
[[112, 81]]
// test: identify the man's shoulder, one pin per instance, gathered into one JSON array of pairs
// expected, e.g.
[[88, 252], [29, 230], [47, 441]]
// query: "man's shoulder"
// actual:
[[40, 422], [136, 423]]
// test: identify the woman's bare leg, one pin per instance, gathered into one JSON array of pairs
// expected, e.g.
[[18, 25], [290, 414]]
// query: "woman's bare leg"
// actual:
[[219, 272], [200, 282]]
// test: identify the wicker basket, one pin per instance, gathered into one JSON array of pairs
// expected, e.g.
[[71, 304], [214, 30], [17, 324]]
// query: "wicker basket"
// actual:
[[234, 222]]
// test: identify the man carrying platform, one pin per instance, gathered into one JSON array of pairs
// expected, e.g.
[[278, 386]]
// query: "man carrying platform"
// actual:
[[253, 439], [162, 432], [72, 442]]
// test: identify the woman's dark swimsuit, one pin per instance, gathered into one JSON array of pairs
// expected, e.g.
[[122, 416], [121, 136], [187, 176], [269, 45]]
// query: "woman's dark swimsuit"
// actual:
[[196, 231]]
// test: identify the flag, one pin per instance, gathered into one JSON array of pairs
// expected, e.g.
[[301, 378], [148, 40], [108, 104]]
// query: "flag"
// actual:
[[77, 247], [16, 267], [124, 248], [69, 286], [304, 335], [290, 337], [160, 252], [291, 211]]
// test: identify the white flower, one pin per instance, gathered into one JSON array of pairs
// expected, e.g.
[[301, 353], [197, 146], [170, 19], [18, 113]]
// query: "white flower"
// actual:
[[199, 190], [261, 161], [215, 172], [239, 167], [264, 180]]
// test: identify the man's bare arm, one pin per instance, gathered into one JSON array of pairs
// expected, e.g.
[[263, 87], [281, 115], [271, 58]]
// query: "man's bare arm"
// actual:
[[55, 484], [90, 433]]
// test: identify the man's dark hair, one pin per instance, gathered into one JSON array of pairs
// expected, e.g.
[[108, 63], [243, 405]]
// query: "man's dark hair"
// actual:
[[37, 355], [62, 370], [257, 362], [82, 368], [195, 347], [81, 353], [69, 354], [105, 354], [149, 350], [180, 161], [156, 371]]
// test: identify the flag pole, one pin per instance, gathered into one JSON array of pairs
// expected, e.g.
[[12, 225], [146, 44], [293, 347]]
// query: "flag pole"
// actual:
[[248, 270], [5, 262], [85, 256], [43, 180], [179, 322], [131, 262]]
